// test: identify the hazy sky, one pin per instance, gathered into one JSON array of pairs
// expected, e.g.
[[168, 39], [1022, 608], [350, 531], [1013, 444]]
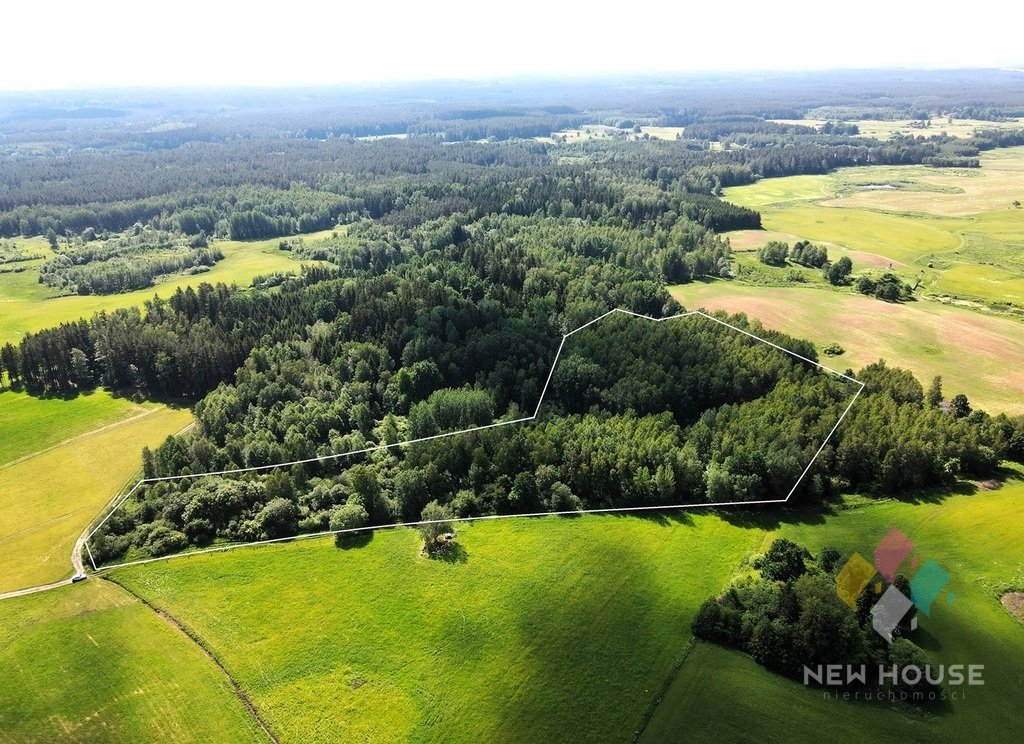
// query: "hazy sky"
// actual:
[[96, 43]]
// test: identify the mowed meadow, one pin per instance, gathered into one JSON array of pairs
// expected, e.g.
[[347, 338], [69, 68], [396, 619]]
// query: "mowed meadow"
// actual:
[[90, 663], [63, 460], [29, 424], [551, 629]]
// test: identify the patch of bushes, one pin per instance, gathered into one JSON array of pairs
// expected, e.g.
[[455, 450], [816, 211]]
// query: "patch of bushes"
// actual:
[[888, 287], [773, 253]]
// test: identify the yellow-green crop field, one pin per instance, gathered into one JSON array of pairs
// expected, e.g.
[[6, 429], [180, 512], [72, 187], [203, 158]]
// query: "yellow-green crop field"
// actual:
[[978, 354], [49, 495]]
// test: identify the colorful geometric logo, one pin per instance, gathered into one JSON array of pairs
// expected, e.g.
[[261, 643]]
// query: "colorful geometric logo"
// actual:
[[893, 605]]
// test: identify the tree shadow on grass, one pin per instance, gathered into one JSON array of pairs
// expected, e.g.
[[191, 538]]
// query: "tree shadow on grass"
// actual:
[[354, 540], [454, 552], [664, 518], [938, 494], [127, 393], [771, 517]]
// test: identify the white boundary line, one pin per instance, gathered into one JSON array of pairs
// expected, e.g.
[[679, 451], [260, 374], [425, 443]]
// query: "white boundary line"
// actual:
[[380, 447]]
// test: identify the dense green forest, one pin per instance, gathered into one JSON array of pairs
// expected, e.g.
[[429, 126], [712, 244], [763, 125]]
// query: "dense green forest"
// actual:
[[273, 167], [468, 252], [456, 323]]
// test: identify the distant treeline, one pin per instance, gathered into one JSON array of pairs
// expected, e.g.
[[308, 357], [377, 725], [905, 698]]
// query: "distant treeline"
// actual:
[[717, 129], [258, 189]]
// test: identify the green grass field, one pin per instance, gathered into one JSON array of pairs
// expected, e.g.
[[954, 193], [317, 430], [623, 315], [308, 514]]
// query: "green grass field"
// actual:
[[894, 237], [89, 663], [977, 354], [27, 306], [977, 539], [954, 230], [29, 424], [544, 630], [723, 695], [770, 191], [46, 500]]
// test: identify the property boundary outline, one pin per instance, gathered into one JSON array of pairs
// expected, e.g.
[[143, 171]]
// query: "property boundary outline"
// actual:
[[382, 447]]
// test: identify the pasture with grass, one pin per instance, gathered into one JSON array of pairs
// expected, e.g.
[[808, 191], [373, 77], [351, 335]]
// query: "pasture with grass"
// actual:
[[89, 662], [953, 233], [47, 499], [507, 638], [974, 537], [535, 630], [30, 424]]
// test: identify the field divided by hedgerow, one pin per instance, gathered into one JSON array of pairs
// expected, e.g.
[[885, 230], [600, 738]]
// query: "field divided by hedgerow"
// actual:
[[27, 306], [955, 232]]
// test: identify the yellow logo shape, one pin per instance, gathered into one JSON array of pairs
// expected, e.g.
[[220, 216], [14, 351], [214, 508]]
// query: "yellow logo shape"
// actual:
[[852, 578]]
